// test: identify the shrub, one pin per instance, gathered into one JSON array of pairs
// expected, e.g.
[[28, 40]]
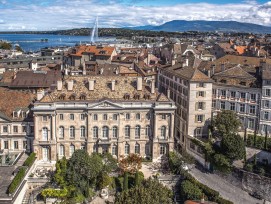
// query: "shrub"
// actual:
[[223, 201], [30, 160], [17, 180], [190, 191], [249, 167], [261, 171], [260, 140]]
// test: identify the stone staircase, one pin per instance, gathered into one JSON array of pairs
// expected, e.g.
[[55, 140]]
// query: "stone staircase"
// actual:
[[20, 162]]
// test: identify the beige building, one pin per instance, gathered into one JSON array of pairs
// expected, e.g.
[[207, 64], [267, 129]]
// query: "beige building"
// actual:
[[115, 114]]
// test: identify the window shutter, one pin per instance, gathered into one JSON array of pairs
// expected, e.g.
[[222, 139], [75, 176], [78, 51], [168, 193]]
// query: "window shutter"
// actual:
[[203, 118], [204, 105], [196, 119], [197, 94], [204, 93], [196, 105]]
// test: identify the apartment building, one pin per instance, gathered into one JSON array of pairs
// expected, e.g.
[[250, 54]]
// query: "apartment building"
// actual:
[[115, 114]]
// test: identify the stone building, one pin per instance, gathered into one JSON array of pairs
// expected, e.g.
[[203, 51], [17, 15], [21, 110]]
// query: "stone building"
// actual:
[[115, 114]]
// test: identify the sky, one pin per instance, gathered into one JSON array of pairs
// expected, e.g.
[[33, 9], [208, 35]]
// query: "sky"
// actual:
[[16, 15]]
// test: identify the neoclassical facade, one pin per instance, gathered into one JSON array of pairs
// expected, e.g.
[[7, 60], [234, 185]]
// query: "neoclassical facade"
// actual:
[[119, 115]]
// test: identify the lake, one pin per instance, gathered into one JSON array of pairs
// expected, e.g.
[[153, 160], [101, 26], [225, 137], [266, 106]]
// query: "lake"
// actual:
[[33, 42]]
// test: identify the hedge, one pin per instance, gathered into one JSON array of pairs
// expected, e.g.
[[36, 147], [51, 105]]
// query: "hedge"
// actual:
[[260, 140], [17, 180], [30, 160], [223, 201]]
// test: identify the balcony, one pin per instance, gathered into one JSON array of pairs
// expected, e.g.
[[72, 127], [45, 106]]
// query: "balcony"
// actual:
[[44, 142], [104, 140]]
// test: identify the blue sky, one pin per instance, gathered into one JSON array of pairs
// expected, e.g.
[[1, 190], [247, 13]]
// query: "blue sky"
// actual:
[[65, 14]]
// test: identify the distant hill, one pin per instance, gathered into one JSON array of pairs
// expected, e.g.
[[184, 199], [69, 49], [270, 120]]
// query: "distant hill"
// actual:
[[206, 26]]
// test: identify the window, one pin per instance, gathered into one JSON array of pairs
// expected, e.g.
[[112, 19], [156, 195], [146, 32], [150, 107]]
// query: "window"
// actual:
[[115, 132], [223, 93], [114, 150], [251, 123], [199, 118], [15, 129], [232, 106], [24, 128], [198, 131], [127, 116], [95, 117], [252, 110], [266, 115], [61, 132], [213, 104], [82, 116], [164, 116], [127, 149], [44, 118], [201, 93], [243, 95], [5, 128], [200, 105], [222, 105], [95, 132], [105, 132], [5, 144], [61, 150], [61, 117], [105, 117], [45, 134], [115, 116], [233, 94], [127, 131], [72, 132], [137, 148], [138, 116], [137, 131], [24, 144], [148, 116], [72, 149], [16, 146], [82, 131], [201, 84], [162, 149], [242, 108], [163, 132], [253, 97], [267, 92], [266, 104], [71, 116], [95, 149], [148, 131]]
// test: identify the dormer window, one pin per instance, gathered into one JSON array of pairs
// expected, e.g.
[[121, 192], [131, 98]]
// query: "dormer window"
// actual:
[[136, 96], [15, 114], [147, 96], [223, 81], [62, 96], [73, 96], [243, 83], [126, 96], [24, 114], [83, 96]]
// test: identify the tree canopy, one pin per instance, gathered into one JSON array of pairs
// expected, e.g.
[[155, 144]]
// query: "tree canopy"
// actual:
[[226, 122], [132, 163]]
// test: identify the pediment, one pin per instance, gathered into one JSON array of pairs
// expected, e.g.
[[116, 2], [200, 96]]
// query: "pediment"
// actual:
[[105, 105]]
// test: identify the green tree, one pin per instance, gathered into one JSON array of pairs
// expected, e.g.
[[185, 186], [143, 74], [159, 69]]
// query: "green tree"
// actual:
[[109, 163], [150, 192], [137, 178], [233, 147], [5, 46], [222, 163], [226, 122], [125, 181], [190, 191]]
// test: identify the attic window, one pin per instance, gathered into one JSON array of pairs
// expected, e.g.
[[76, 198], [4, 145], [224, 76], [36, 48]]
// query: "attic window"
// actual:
[[15, 114], [126, 96], [223, 81], [62, 96], [83, 96], [147, 96], [136, 96], [243, 83], [73, 96], [102, 52]]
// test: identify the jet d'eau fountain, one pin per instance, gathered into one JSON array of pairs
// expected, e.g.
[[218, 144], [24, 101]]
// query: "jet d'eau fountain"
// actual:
[[94, 32]]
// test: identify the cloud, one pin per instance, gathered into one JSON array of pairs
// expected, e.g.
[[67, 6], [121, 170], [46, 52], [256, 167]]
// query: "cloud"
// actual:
[[65, 14]]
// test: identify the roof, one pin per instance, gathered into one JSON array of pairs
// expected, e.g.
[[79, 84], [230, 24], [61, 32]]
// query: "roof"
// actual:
[[235, 72], [241, 60], [12, 100], [35, 79], [96, 50]]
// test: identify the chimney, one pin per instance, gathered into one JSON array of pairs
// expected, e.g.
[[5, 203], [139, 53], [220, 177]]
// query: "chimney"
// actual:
[[66, 71], [84, 69], [91, 85], [40, 94], [139, 84], [173, 62], [70, 85], [168, 93], [186, 62], [59, 85], [213, 70], [113, 85], [153, 86], [222, 67]]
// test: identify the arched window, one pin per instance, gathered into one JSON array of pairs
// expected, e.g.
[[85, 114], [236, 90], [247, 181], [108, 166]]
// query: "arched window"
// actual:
[[163, 132], [115, 132], [95, 132], [61, 132], [137, 131], [127, 116], [72, 149], [82, 131], [127, 131], [105, 132], [61, 150], [45, 134], [72, 132], [95, 117], [105, 117], [127, 149], [148, 131], [137, 148], [138, 116]]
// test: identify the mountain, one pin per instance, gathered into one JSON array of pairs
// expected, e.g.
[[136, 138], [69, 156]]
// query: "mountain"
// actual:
[[205, 26]]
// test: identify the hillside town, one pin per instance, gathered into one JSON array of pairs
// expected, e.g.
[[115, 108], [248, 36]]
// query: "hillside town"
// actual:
[[188, 117]]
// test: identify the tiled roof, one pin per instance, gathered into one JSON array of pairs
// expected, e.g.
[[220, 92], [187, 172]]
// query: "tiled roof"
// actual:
[[235, 59], [105, 51], [236, 72]]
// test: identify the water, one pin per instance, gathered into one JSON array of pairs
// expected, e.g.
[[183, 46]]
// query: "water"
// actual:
[[32, 42]]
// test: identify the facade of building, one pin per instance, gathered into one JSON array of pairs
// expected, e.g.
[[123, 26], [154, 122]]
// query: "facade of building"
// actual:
[[115, 114]]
